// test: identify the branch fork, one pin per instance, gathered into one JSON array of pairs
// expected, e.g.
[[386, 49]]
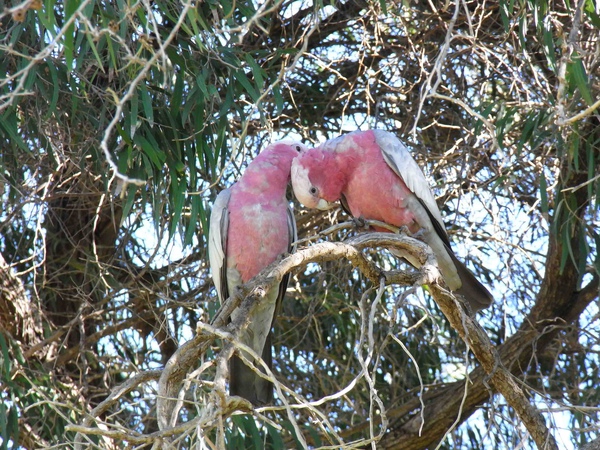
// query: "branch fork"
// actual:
[[249, 296]]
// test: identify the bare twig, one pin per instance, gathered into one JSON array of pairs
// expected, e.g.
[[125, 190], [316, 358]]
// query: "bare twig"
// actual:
[[105, 405]]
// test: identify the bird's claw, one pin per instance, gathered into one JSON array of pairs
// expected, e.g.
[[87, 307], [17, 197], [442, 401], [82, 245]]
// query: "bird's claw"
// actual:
[[465, 305], [236, 403], [404, 230], [417, 234], [360, 223]]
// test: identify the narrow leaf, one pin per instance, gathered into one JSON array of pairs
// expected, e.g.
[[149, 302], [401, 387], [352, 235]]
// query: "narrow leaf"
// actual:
[[579, 78], [177, 199], [543, 193], [243, 79], [147, 104], [69, 36]]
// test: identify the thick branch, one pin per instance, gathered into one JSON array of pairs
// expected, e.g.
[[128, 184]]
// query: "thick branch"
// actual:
[[189, 354], [17, 313], [470, 331], [483, 349]]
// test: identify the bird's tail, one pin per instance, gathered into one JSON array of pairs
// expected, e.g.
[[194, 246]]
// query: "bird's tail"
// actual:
[[246, 383], [475, 293]]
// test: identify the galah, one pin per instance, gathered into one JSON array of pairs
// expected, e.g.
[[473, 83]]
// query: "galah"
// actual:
[[376, 178], [252, 225]]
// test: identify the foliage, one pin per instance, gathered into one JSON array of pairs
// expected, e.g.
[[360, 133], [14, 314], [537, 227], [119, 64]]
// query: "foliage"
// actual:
[[121, 120]]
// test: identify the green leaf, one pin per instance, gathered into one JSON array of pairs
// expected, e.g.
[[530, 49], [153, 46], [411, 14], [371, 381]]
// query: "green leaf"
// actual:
[[278, 99], [113, 62], [190, 230], [591, 13], [247, 425], [147, 104], [178, 195], [129, 201], [383, 6], [577, 77], [190, 155], [12, 425], [204, 217], [506, 11], [8, 122], [55, 91], [3, 430], [543, 193], [478, 125], [287, 425], [573, 147], [5, 356], [177, 94], [69, 36], [47, 18], [189, 104], [315, 437], [243, 79], [201, 84], [157, 157], [257, 71], [133, 114]]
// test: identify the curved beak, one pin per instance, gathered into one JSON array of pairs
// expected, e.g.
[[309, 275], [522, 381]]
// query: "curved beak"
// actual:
[[324, 205]]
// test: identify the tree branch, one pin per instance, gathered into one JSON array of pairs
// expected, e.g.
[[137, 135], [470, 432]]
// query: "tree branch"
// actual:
[[249, 295], [177, 368], [483, 349]]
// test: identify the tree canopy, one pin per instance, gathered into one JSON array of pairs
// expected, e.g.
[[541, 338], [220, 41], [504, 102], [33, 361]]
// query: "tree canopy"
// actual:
[[120, 121]]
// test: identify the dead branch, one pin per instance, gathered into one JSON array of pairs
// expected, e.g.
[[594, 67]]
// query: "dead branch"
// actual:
[[180, 364]]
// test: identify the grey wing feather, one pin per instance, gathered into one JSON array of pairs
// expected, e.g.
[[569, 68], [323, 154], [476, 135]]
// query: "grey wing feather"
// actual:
[[438, 227], [345, 206], [292, 230], [401, 162], [399, 159], [217, 243], [293, 237]]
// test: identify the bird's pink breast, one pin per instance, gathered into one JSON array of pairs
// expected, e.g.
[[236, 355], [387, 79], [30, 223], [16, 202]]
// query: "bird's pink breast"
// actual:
[[258, 232], [374, 191]]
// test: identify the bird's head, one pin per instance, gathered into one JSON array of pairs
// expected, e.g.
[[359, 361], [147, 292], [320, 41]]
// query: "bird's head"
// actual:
[[316, 178], [276, 160], [286, 150]]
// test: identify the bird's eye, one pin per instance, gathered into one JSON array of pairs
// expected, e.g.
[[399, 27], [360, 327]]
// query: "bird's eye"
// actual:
[[298, 148], [312, 190]]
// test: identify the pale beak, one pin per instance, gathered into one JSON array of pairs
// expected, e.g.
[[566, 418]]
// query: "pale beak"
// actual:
[[324, 205]]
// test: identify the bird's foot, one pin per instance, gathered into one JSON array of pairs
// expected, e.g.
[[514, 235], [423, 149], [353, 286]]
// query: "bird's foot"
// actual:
[[360, 224], [430, 274], [466, 306], [419, 234], [404, 230]]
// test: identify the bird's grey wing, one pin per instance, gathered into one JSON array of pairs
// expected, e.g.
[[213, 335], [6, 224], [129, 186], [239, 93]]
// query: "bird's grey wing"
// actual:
[[217, 243], [399, 159], [293, 237], [345, 206], [401, 162]]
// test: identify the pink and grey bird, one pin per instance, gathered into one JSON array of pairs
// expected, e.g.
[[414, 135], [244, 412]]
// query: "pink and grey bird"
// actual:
[[376, 178], [251, 225]]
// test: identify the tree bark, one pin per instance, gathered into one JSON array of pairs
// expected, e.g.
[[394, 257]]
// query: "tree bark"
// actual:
[[18, 317]]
